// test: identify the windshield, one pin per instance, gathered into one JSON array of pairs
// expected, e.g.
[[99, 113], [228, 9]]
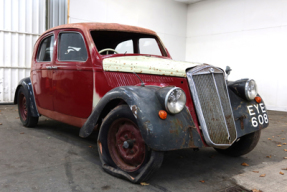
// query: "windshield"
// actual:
[[115, 42]]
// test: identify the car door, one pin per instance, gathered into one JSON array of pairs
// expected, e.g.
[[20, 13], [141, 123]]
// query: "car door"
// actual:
[[41, 74], [73, 75]]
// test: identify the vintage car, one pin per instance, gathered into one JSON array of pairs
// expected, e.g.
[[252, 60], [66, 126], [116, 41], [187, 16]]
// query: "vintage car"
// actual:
[[121, 81]]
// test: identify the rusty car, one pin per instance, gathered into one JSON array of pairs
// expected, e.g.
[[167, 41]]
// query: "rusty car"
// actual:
[[122, 81]]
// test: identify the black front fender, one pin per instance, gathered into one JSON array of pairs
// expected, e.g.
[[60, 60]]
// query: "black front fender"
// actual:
[[177, 131], [27, 85], [249, 116]]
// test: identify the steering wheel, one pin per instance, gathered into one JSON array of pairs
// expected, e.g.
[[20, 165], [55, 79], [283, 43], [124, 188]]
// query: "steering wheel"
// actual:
[[107, 50]]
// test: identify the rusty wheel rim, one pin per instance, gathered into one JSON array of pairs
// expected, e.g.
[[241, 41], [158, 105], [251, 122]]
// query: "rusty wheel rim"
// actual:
[[126, 145], [23, 107]]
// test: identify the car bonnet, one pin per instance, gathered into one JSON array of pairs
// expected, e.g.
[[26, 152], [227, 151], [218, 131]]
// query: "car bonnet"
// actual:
[[148, 65]]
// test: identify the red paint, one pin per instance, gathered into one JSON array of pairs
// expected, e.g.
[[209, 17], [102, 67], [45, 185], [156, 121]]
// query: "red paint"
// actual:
[[73, 85], [69, 88], [66, 93], [71, 120], [41, 78], [103, 27]]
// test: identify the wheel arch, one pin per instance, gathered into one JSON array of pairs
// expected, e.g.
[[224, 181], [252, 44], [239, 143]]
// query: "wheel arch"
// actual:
[[158, 134], [107, 108], [27, 86]]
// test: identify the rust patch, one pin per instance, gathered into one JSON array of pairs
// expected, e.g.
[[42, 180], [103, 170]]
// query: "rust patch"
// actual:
[[191, 142], [174, 131], [104, 27], [241, 121], [134, 111], [177, 123], [241, 124], [183, 143], [260, 126]]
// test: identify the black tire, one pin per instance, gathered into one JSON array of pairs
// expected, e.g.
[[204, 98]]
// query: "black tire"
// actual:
[[246, 144], [144, 161], [24, 109]]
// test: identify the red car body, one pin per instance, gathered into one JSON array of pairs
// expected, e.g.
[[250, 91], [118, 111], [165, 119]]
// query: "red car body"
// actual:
[[88, 91]]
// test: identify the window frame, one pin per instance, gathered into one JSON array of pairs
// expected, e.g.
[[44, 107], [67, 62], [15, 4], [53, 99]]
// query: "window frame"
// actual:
[[58, 44], [40, 45], [163, 49]]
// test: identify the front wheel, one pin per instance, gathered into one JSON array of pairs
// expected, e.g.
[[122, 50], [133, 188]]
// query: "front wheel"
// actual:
[[24, 109], [122, 149], [243, 146]]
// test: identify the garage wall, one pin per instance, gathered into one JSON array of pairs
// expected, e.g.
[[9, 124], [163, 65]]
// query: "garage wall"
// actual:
[[21, 23], [248, 35], [166, 17]]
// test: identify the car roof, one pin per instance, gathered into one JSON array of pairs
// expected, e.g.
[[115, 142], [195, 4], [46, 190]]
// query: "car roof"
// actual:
[[103, 27]]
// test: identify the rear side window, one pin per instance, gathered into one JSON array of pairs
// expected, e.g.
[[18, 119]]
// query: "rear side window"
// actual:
[[45, 52], [72, 47]]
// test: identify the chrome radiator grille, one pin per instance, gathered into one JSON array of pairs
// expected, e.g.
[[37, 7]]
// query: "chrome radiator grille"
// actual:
[[212, 103]]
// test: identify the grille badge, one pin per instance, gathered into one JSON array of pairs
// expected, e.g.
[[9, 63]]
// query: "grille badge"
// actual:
[[211, 70]]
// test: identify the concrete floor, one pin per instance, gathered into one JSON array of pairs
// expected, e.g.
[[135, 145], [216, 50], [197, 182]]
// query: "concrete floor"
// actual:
[[52, 157]]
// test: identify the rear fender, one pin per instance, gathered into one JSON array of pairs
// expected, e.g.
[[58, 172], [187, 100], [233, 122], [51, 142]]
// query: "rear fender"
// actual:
[[27, 85]]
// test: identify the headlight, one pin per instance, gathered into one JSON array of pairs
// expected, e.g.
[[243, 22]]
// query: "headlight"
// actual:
[[175, 100], [250, 89]]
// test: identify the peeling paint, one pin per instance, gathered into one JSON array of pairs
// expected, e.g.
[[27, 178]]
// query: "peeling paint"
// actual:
[[96, 97], [148, 65], [134, 111]]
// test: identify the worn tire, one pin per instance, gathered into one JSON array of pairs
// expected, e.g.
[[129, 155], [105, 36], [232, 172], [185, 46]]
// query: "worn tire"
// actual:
[[24, 109], [246, 144], [118, 127]]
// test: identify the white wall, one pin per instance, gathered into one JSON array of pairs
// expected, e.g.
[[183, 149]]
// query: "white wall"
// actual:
[[248, 35], [166, 17], [21, 23]]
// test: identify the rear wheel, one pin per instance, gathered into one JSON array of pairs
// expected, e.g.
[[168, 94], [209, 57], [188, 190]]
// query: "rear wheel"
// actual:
[[24, 110], [122, 149], [244, 145]]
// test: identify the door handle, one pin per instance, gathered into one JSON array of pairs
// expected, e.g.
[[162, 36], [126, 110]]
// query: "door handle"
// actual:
[[54, 67], [48, 67]]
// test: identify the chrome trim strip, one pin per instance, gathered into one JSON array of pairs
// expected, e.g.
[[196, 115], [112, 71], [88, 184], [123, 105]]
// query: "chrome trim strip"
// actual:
[[199, 111], [221, 106], [197, 104], [230, 107]]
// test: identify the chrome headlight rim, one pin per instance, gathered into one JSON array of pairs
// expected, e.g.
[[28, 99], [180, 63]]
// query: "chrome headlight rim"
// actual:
[[166, 100], [247, 90]]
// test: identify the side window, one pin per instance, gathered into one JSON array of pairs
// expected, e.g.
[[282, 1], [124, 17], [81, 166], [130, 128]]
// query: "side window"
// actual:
[[125, 47], [149, 46], [45, 51], [72, 47]]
